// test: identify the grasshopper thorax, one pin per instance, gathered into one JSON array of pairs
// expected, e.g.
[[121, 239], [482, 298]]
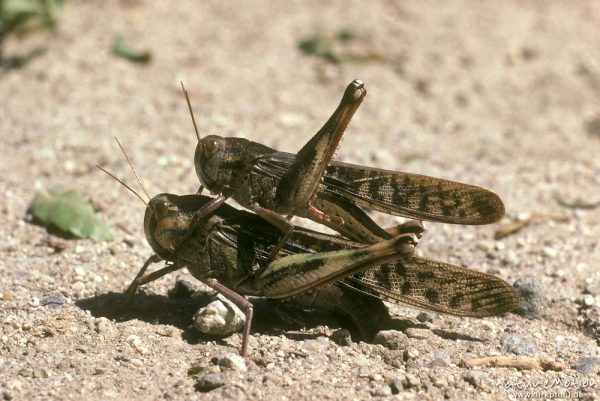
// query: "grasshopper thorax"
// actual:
[[215, 160]]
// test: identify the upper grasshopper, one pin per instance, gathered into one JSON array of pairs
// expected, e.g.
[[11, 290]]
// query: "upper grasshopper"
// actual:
[[309, 184], [229, 250]]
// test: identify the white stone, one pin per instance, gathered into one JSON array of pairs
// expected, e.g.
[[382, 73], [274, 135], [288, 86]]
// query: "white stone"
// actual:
[[220, 318]]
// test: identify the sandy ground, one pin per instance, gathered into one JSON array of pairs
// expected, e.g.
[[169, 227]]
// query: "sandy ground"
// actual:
[[504, 95]]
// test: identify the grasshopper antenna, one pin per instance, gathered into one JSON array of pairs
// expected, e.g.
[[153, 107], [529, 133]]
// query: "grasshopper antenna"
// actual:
[[187, 99], [132, 169], [122, 183]]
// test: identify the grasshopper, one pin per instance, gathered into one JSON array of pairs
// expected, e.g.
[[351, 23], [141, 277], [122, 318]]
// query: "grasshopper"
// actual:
[[229, 250], [309, 184]]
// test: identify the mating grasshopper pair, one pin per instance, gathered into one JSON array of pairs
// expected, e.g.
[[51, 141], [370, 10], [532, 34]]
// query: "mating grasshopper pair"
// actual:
[[240, 253]]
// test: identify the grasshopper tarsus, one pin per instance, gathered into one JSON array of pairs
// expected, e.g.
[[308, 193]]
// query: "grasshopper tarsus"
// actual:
[[412, 226]]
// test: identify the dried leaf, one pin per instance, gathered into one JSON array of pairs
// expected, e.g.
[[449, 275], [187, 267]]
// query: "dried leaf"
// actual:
[[68, 214], [577, 204], [513, 227], [510, 228]]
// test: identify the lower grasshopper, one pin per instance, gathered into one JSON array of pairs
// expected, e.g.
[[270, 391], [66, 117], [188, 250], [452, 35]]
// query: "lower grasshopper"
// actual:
[[309, 184], [228, 249]]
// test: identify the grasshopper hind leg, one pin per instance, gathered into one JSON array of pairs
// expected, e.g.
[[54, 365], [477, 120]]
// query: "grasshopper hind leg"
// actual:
[[278, 221], [241, 302]]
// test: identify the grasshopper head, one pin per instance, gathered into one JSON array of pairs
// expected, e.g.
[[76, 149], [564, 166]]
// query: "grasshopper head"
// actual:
[[165, 225], [215, 159]]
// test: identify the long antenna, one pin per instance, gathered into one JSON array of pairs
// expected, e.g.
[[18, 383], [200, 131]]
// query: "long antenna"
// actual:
[[125, 185], [132, 169], [187, 99]]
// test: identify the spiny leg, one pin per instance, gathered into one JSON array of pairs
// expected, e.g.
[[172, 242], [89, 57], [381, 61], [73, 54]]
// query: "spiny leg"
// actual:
[[241, 303], [301, 180], [147, 278]]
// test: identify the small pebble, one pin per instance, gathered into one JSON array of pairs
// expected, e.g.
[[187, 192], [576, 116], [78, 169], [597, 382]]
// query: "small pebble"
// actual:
[[411, 353], [78, 286], [231, 361], [517, 345], [361, 360], [39, 373], [587, 365], [411, 380], [474, 378], [392, 339], [103, 325], [341, 337], [208, 382], [550, 252], [426, 317], [136, 343], [376, 377], [418, 333], [438, 363], [381, 391], [588, 301], [53, 302], [219, 318], [317, 345], [138, 363], [532, 298]]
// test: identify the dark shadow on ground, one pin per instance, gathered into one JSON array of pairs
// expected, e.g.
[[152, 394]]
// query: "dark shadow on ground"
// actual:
[[270, 317]]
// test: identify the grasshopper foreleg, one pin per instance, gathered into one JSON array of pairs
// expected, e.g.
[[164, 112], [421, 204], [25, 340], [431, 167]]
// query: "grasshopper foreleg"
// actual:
[[207, 209], [240, 302], [134, 284], [142, 278]]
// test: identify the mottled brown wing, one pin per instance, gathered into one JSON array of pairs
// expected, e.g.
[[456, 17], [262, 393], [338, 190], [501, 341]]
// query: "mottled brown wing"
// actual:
[[412, 195], [402, 194], [438, 287]]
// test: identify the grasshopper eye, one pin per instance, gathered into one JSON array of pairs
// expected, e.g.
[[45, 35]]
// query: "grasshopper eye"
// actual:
[[210, 147], [161, 210]]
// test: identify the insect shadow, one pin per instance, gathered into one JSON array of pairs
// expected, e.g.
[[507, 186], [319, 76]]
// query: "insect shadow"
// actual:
[[271, 317]]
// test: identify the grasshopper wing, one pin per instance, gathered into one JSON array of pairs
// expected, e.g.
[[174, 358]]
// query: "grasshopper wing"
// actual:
[[403, 194], [412, 195], [437, 286]]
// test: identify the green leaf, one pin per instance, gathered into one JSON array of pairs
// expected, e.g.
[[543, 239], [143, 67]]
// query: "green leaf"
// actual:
[[319, 46], [68, 213], [123, 49]]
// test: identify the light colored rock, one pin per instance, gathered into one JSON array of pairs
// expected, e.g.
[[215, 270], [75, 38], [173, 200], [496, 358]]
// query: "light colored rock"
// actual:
[[219, 318], [232, 361]]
